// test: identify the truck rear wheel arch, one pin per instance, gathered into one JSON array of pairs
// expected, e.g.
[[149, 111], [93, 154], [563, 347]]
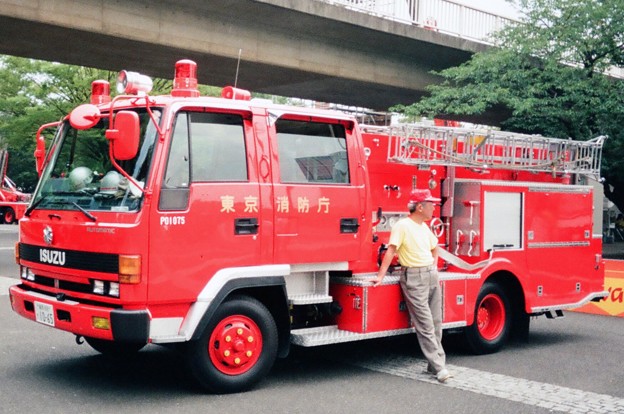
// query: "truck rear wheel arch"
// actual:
[[503, 292], [270, 291]]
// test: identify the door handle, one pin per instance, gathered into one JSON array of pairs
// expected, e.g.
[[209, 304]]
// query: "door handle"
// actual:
[[246, 225], [349, 225]]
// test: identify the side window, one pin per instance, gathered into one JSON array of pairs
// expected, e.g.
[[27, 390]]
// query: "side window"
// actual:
[[217, 147], [177, 175], [312, 152]]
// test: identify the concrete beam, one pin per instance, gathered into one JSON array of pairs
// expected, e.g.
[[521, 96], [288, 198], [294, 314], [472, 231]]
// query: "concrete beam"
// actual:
[[306, 49]]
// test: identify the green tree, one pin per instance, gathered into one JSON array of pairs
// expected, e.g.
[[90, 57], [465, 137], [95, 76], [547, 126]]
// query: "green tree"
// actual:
[[33, 93], [546, 75]]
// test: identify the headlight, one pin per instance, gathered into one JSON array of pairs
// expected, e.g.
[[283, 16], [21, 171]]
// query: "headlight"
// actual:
[[27, 274], [105, 288], [98, 287], [113, 289]]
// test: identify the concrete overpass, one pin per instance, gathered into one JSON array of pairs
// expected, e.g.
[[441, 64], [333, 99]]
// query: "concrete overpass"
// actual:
[[307, 49]]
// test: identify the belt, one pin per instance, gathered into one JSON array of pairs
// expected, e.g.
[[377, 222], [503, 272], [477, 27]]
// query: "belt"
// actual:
[[418, 269]]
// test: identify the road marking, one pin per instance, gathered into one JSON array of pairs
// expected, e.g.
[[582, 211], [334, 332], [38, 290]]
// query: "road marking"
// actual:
[[5, 282], [7, 248], [539, 394]]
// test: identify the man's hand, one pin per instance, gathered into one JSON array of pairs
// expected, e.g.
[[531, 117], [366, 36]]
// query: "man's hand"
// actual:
[[385, 264], [377, 281]]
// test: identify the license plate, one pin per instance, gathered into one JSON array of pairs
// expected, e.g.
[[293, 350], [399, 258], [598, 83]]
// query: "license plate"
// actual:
[[44, 313]]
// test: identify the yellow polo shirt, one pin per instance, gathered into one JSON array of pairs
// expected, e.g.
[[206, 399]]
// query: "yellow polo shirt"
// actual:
[[414, 243]]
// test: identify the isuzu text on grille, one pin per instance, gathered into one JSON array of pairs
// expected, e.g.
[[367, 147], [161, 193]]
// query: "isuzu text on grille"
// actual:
[[52, 257]]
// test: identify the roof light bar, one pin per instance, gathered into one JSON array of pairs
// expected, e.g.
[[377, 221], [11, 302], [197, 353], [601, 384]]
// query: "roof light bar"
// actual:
[[229, 92], [100, 92], [185, 79], [133, 83]]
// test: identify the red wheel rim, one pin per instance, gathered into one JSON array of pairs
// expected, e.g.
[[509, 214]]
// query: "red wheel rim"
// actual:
[[235, 345], [9, 216], [491, 317]]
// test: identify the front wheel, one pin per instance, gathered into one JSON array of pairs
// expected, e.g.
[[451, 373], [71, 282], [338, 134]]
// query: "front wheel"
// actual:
[[9, 216], [237, 349], [492, 320]]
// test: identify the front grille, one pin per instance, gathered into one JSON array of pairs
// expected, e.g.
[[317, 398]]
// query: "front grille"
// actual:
[[63, 284], [70, 259]]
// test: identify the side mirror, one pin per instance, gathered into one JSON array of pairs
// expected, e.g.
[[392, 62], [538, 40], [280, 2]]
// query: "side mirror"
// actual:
[[85, 116], [124, 137], [41, 149]]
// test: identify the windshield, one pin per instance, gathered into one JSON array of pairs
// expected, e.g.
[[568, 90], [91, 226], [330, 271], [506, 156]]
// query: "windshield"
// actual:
[[80, 176]]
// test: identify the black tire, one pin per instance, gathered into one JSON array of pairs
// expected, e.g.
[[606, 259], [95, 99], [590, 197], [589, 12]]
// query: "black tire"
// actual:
[[9, 216], [492, 320], [521, 325], [114, 349], [237, 349]]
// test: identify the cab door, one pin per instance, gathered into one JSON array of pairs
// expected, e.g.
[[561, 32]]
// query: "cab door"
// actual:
[[318, 206], [208, 207]]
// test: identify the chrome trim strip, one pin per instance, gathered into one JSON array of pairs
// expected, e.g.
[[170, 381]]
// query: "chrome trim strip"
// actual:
[[582, 302]]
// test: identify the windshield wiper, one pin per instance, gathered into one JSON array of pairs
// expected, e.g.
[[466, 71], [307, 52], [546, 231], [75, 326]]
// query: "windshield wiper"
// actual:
[[85, 212], [34, 205]]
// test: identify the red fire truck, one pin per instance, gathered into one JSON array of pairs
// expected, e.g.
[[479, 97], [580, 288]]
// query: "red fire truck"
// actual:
[[233, 228], [13, 202]]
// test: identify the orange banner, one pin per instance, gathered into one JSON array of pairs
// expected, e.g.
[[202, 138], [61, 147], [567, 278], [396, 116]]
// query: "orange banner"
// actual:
[[613, 304]]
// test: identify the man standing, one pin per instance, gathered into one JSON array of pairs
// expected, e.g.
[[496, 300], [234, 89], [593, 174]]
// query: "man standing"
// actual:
[[417, 248]]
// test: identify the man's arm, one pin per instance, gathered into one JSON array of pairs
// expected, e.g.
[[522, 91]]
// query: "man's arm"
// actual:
[[385, 264], [435, 252]]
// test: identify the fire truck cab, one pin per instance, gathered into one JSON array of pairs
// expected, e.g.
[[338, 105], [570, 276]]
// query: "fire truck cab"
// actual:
[[235, 227], [13, 201]]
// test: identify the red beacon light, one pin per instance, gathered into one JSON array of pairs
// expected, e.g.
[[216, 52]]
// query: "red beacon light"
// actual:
[[133, 83], [185, 80], [230, 92], [100, 92]]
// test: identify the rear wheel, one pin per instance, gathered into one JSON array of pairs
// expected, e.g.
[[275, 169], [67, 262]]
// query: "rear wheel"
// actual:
[[114, 349], [237, 349], [492, 320]]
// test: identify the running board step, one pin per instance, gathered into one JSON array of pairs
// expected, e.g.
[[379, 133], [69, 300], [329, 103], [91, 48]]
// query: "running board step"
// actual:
[[309, 299], [326, 335]]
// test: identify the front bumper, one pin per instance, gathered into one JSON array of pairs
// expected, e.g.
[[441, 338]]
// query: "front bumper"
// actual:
[[77, 318]]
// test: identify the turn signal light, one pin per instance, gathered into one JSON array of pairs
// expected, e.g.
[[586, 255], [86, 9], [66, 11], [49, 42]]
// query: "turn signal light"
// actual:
[[129, 269]]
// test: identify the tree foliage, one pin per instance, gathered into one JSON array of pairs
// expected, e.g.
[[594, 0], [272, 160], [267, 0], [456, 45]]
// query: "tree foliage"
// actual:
[[547, 75], [33, 93]]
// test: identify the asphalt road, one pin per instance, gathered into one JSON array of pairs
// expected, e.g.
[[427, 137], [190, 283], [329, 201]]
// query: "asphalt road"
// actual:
[[573, 364]]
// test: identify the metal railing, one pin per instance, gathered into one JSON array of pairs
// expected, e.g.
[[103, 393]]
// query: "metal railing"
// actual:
[[445, 16]]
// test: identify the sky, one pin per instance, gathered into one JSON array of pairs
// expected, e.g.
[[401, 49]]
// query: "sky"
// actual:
[[493, 6]]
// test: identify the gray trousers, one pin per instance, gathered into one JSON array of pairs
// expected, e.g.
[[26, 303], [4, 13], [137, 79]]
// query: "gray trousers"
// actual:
[[423, 297]]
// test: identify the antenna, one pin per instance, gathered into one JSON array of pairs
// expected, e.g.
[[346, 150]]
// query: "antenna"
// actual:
[[237, 66]]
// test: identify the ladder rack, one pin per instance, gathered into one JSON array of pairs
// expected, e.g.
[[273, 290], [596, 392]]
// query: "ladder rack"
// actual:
[[479, 148]]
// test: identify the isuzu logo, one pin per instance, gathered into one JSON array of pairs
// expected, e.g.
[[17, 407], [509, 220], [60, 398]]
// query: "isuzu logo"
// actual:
[[50, 256], [47, 235]]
